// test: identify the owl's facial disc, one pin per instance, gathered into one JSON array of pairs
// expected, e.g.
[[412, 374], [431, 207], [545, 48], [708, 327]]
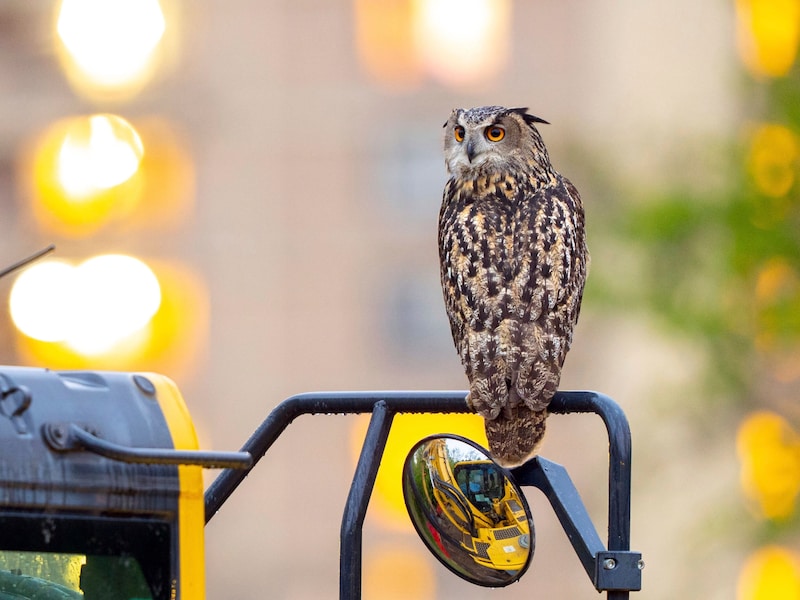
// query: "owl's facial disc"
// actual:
[[470, 148], [478, 146], [480, 139]]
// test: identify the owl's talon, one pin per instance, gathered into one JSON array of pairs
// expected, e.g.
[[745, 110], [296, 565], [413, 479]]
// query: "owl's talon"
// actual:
[[468, 400]]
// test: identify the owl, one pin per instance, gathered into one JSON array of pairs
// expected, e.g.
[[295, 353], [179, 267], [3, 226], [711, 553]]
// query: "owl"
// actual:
[[513, 260]]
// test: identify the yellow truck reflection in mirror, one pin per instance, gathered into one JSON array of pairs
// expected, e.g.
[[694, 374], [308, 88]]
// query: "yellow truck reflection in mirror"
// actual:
[[468, 511]]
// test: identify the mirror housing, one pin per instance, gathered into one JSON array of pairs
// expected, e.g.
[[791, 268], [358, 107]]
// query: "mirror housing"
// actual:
[[468, 510]]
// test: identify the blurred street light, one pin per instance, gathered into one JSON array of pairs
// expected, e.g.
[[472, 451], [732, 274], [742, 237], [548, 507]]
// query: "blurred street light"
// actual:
[[456, 42], [462, 42], [109, 46], [110, 312], [90, 307], [106, 155]]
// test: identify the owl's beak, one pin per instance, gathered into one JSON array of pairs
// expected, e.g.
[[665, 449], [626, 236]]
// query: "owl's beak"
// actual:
[[470, 150]]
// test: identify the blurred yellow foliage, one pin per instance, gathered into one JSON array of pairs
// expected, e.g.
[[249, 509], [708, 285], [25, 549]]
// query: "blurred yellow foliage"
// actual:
[[774, 159], [770, 573], [767, 33], [769, 452]]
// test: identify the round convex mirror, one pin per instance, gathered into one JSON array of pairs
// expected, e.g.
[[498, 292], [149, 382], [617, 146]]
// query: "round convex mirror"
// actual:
[[468, 511]]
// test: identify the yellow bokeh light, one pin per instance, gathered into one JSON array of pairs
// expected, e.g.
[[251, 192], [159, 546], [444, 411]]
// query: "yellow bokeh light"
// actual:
[[769, 454], [407, 430], [398, 572], [108, 156], [109, 45], [462, 42], [82, 173], [774, 159], [91, 307], [770, 573], [86, 173], [768, 32]]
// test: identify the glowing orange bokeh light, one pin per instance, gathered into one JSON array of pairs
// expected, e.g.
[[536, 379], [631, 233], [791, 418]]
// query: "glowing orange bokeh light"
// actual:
[[81, 173], [385, 41], [84, 174]]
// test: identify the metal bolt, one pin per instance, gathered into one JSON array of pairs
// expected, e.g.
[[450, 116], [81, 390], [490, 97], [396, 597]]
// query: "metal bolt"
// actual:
[[609, 564], [640, 564], [145, 385]]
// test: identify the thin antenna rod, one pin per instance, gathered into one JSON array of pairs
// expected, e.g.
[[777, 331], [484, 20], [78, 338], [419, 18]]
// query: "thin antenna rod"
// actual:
[[25, 261]]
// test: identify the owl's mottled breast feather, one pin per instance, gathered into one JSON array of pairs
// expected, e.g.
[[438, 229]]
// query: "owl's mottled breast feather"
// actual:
[[513, 263]]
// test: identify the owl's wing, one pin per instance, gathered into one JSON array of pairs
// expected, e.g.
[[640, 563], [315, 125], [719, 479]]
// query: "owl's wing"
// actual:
[[552, 276], [476, 264], [453, 246]]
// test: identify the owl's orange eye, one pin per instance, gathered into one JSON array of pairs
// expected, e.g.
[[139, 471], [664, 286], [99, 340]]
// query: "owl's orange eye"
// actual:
[[459, 133], [495, 133]]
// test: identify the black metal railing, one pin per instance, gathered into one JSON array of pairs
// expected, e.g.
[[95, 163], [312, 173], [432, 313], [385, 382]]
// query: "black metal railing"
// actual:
[[613, 569]]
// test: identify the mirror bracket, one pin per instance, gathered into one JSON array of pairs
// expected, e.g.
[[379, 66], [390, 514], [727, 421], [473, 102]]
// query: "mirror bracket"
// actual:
[[619, 570], [616, 569], [554, 481], [609, 570]]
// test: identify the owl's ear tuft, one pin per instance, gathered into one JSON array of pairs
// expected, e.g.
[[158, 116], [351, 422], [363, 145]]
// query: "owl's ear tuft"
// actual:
[[521, 111], [454, 114], [529, 119]]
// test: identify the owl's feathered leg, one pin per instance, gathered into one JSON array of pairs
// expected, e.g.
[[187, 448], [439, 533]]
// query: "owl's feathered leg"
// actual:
[[515, 435], [514, 430]]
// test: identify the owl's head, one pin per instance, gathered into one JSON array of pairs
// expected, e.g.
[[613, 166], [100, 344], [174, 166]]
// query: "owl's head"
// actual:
[[491, 138]]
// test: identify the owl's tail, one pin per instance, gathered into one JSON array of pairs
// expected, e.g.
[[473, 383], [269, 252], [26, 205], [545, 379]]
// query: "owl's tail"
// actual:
[[514, 438]]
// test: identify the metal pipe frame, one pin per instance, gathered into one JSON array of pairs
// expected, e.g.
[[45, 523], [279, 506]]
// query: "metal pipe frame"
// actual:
[[615, 570], [69, 437]]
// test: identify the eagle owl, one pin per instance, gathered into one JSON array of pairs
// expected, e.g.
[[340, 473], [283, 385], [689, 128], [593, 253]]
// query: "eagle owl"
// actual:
[[513, 263]]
